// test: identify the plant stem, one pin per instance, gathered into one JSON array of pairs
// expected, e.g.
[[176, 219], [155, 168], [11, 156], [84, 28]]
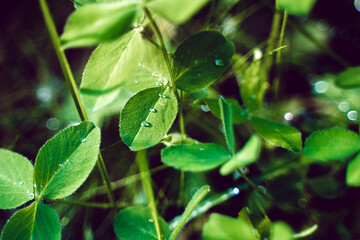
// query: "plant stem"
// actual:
[[142, 162], [254, 186], [278, 55], [164, 51], [71, 84], [198, 196], [168, 65], [86, 204]]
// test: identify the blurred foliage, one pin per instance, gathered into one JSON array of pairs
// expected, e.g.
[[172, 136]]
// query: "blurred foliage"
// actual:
[[35, 104]]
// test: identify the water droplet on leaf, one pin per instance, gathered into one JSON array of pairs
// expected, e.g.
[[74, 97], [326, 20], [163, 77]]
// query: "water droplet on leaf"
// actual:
[[60, 165], [21, 183], [153, 110], [31, 195], [83, 140], [145, 124], [159, 84], [219, 62], [150, 220], [162, 95]]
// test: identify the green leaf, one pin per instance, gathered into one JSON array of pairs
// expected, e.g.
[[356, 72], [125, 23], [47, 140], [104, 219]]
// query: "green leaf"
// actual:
[[177, 11], [135, 223], [37, 221], [285, 136], [198, 196], [147, 117], [66, 160], [226, 117], [118, 60], [239, 115], [281, 231], [253, 87], [16, 179], [221, 227], [331, 144], [195, 157], [350, 78], [95, 23], [296, 7], [151, 71], [81, 3], [247, 155], [353, 172], [325, 187], [201, 59]]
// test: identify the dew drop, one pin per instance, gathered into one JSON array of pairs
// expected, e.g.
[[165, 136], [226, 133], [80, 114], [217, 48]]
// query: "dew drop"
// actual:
[[162, 95], [83, 140], [352, 115], [153, 110], [145, 124], [205, 108], [201, 149], [35, 185], [41, 186], [136, 82], [262, 189], [150, 220], [60, 165], [67, 160], [219, 62], [55, 172], [235, 191], [31, 195], [159, 84], [140, 63], [21, 183], [288, 116], [155, 74], [344, 106], [320, 87]]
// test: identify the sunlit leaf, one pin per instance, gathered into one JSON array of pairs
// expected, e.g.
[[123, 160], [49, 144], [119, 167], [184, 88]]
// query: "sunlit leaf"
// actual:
[[239, 115], [281, 231], [108, 69], [147, 117], [201, 59], [16, 179], [194, 157], [350, 78], [296, 7], [285, 136], [94, 23], [135, 223], [66, 160], [226, 117], [247, 155], [37, 221], [353, 172], [331, 144], [252, 86], [177, 11], [221, 227]]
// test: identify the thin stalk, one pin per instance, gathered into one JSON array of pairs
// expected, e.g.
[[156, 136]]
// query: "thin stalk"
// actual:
[[268, 61], [181, 118], [83, 204], [164, 51], [168, 65], [142, 162], [112, 145], [71, 84], [254, 186], [278, 55]]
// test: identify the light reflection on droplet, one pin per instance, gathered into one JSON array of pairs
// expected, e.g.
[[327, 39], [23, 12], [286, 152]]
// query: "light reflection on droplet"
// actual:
[[321, 86], [153, 110], [53, 123], [145, 124], [357, 5], [288, 116], [262, 189], [205, 108], [352, 115], [219, 62], [235, 191], [150, 220], [344, 106]]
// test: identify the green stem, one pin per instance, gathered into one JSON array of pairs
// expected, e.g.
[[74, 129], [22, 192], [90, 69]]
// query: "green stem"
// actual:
[[181, 118], [70, 81], [198, 196], [254, 186], [142, 162], [164, 51], [87, 204], [278, 55]]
